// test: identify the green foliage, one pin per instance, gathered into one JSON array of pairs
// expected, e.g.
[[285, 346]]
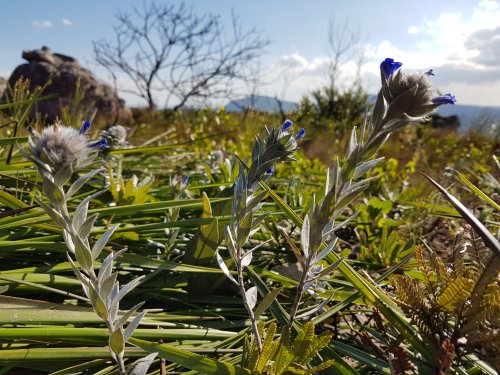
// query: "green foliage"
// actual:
[[128, 192], [282, 356], [329, 110], [456, 303]]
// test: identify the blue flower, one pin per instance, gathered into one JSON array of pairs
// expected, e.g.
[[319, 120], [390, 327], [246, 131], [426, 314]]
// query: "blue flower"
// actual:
[[300, 134], [101, 143], [444, 99], [270, 170], [85, 127], [185, 180], [388, 67], [286, 125]]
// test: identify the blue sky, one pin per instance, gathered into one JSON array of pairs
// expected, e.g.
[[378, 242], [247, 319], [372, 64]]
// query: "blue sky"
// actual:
[[459, 39]]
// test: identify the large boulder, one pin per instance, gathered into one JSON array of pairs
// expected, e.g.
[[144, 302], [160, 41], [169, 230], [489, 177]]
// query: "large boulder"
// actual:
[[64, 72]]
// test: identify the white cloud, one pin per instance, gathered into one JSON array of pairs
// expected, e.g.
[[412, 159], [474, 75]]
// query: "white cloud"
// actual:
[[66, 22], [413, 30], [488, 4], [42, 24]]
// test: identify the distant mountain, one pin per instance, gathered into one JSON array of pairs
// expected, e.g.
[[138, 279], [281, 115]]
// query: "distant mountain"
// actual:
[[260, 103], [469, 115]]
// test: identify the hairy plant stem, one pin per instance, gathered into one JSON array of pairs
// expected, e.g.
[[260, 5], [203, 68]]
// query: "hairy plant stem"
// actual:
[[298, 295], [63, 210], [251, 315]]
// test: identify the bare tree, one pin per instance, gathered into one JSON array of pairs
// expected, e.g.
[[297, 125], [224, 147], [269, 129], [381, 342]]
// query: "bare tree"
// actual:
[[170, 49], [344, 45]]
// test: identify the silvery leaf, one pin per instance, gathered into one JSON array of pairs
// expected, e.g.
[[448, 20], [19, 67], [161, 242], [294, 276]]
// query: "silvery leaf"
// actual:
[[76, 186], [87, 226], [231, 244], [133, 325], [63, 175], [127, 314], [317, 308], [117, 341], [353, 142], [69, 241], [106, 285], [113, 306], [141, 366], [81, 210], [324, 252], [101, 242], [246, 259], [54, 215], [224, 268], [304, 236], [82, 253], [54, 193], [251, 297], [362, 168]]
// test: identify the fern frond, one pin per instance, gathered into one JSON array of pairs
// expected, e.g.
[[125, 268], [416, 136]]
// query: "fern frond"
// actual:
[[443, 275], [302, 345], [455, 294], [322, 366], [427, 273], [268, 348], [490, 275]]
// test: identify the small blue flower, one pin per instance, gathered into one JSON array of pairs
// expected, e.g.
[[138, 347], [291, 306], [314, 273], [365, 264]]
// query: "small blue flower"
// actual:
[[270, 170], [388, 67], [85, 127], [185, 180], [101, 143], [286, 125], [444, 99], [300, 134]]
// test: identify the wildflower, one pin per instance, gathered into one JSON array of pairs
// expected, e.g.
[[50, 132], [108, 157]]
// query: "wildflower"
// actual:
[[444, 99], [270, 170], [388, 67], [411, 94], [116, 135], [300, 134], [179, 184], [60, 146], [287, 124]]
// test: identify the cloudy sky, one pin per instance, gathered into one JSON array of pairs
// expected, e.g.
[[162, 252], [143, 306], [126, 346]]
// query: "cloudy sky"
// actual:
[[459, 39]]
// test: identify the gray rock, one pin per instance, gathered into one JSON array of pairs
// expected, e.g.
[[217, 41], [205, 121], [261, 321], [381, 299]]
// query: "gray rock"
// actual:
[[64, 72]]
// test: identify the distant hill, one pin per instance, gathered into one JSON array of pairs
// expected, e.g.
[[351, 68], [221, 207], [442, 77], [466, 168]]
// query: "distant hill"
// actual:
[[260, 103], [469, 115]]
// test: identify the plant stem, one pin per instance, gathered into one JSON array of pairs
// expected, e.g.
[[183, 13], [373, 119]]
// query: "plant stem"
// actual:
[[298, 295], [251, 315]]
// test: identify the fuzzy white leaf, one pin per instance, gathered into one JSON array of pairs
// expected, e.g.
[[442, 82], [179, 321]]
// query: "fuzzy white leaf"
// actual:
[[324, 252], [101, 242], [141, 366], [251, 297], [317, 308], [353, 142], [304, 236], [133, 325], [76, 186], [81, 210], [362, 168], [246, 259], [224, 268]]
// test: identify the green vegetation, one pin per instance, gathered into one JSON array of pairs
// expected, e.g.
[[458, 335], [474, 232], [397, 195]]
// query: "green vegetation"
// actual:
[[355, 264]]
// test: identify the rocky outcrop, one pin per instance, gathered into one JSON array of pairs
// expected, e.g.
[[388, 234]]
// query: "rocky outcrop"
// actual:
[[445, 122], [63, 74]]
